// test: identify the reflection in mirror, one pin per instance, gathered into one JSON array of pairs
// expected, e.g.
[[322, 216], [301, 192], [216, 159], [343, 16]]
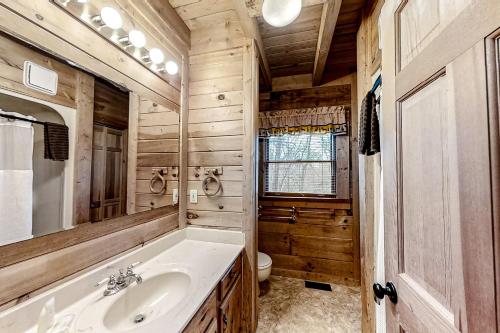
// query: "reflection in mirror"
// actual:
[[92, 150], [35, 192]]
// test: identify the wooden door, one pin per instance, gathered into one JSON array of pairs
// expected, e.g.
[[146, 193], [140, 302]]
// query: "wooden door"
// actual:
[[108, 193], [436, 161]]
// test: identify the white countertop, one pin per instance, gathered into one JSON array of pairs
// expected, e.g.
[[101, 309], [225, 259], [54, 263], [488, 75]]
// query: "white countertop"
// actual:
[[205, 254]]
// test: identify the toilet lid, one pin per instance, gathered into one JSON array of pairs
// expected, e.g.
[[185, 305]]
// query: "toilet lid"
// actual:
[[264, 260]]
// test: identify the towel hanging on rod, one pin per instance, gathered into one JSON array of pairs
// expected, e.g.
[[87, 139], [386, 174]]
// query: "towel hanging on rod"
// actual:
[[56, 138]]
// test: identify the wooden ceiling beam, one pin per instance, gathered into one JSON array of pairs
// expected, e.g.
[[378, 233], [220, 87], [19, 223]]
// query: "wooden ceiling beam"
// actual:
[[251, 30], [331, 10]]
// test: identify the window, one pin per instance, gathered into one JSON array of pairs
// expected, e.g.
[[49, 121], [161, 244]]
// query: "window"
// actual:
[[301, 163]]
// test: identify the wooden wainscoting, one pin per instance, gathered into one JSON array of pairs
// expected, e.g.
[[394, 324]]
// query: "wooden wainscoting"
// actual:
[[309, 238]]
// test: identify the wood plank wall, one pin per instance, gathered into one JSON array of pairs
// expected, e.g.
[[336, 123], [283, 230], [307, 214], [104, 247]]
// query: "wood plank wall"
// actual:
[[308, 239], [368, 60], [215, 124], [157, 147], [323, 243], [222, 102]]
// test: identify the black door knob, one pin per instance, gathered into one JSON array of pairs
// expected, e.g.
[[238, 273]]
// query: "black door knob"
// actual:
[[389, 290]]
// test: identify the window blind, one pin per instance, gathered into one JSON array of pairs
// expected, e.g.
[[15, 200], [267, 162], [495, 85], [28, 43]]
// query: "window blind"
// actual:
[[303, 163]]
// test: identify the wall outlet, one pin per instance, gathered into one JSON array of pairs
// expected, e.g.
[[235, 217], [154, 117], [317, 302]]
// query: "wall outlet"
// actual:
[[193, 196], [175, 195]]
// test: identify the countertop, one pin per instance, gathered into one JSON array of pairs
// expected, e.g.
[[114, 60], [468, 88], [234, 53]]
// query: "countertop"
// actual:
[[205, 254]]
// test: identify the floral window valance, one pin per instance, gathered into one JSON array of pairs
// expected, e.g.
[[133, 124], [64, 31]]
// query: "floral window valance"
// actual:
[[324, 119]]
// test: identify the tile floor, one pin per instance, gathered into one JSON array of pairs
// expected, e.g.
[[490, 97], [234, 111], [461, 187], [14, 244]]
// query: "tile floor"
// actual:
[[286, 306]]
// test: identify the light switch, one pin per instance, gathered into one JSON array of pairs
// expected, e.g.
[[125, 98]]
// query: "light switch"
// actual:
[[193, 196], [175, 195]]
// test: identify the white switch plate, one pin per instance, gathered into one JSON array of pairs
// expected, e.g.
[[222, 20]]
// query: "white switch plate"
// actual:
[[193, 196], [175, 195]]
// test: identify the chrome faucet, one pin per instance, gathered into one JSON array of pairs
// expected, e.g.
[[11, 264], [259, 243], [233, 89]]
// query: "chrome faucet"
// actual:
[[125, 279]]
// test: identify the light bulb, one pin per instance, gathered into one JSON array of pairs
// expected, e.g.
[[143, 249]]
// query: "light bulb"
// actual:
[[156, 56], [137, 38], [82, 1], [280, 13], [171, 67], [111, 18]]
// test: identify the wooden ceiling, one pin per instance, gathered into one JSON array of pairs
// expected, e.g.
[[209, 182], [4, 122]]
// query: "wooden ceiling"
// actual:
[[295, 49], [291, 50]]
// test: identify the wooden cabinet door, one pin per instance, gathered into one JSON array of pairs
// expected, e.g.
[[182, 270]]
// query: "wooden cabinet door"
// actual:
[[436, 165], [230, 310]]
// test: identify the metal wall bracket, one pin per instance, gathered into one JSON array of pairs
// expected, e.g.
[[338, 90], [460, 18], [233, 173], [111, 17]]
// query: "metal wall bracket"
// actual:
[[217, 171]]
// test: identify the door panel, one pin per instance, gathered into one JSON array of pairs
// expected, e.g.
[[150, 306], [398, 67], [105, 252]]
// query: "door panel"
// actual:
[[425, 195], [436, 157], [420, 21]]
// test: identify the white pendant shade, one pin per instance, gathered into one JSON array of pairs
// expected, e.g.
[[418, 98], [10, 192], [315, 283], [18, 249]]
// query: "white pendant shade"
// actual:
[[280, 13]]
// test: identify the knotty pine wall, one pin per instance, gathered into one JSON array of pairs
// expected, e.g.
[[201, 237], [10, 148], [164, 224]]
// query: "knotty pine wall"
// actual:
[[157, 147], [215, 125]]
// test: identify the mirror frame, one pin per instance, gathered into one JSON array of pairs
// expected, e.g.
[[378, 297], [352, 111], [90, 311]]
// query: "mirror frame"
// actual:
[[28, 249]]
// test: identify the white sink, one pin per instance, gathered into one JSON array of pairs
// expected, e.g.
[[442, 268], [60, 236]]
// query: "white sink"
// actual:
[[137, 305]]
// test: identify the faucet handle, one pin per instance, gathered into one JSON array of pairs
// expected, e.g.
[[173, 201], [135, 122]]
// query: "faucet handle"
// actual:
[[135, 264], [111, 280], [132, 266]]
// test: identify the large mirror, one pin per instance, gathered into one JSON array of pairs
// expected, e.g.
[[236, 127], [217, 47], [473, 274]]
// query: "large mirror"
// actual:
[[76, 148]]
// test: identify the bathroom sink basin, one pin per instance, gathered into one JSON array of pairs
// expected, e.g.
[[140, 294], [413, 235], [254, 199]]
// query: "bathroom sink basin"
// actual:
[[138, 304]]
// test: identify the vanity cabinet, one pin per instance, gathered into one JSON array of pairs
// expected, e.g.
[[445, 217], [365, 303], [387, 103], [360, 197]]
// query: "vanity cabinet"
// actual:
[[221, 311]]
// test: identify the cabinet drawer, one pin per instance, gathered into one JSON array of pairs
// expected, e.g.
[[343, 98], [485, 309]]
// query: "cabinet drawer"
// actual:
[[213, 327], [203, 319], [230, 277], [230, 310]]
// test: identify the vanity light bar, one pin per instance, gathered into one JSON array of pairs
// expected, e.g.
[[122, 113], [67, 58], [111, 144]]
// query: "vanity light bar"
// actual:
[[111, 18]]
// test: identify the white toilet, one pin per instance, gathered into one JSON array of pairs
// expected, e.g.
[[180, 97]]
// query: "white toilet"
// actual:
[[264, 263]]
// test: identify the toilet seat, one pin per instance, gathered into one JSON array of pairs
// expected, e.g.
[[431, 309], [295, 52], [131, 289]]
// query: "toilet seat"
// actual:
[[264, 261]]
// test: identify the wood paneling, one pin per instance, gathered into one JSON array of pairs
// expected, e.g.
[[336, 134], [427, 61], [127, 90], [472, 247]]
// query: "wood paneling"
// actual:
[[12, 58], [306, 98], [83, 153], [25, 250], [222, 63], [317, 243], [110, 106], [158, 149]]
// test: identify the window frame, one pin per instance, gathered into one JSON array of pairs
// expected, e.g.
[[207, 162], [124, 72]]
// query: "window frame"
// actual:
[[333, 165]]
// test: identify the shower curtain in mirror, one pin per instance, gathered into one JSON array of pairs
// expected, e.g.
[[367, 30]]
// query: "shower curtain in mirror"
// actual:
[[16, 179]]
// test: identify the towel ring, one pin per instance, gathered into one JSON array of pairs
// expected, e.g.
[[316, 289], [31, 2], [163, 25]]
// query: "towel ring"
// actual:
[[211, 178], [158, 177]]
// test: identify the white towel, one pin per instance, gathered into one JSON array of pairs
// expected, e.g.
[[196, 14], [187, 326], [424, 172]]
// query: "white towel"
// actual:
[[16, 180]]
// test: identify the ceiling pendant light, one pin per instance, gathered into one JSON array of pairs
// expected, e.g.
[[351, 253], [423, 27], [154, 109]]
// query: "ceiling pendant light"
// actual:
[[280, 13], [137, 38], [156, 56], [111, 18]]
